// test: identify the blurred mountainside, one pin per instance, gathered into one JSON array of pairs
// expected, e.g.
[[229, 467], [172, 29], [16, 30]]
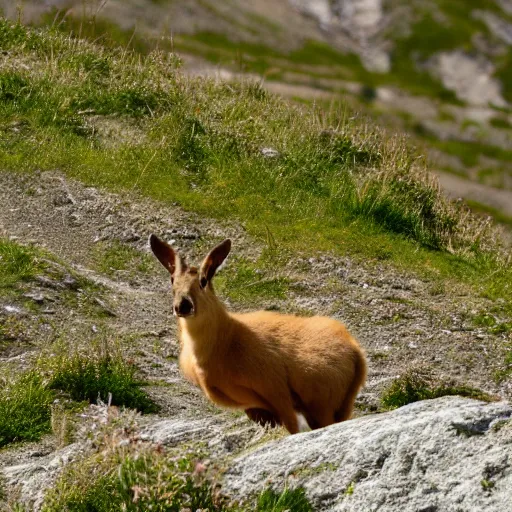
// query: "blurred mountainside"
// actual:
[[440, 70]]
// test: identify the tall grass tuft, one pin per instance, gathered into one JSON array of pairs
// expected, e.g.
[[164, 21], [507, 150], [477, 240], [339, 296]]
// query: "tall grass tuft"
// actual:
[[25, 409], [93, 378], [16, 263], [26, 401], [416, 385]]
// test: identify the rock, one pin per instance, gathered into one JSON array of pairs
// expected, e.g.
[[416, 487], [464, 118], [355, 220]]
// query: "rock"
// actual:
[[38, 298], [470, 78], [12, 309], [438, 455], [270, 152], [105, 308], [498, 26], [361, 20], [70, 282], [34, 478], [506, 5], [174, 432], [49, 283], [317, 9], [361, 17]]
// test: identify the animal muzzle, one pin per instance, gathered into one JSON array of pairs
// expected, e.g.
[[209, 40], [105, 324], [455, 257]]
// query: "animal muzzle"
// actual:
[[184, 307]]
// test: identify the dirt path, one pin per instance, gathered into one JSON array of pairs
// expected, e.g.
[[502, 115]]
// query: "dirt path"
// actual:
[[456, 186]]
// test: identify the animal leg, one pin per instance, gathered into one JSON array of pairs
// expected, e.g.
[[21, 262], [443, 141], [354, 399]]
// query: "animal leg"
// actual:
[[318, 416], [345, 411], [263, 417], [347, 406]]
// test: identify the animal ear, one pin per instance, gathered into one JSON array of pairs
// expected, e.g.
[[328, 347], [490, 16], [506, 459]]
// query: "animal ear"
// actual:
[[164, 252], [213, 261]]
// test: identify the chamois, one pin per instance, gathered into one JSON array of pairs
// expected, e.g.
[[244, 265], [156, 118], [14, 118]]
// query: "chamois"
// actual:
[[271, 365]]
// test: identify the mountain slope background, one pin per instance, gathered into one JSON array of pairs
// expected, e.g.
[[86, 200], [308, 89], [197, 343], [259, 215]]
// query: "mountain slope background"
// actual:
[[438, 70]]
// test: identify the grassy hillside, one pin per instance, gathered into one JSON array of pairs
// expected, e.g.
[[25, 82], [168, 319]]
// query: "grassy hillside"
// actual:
[[286, 45], [331, 182]]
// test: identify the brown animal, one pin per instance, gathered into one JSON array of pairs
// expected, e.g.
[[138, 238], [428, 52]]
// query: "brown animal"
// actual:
[[269, 364]]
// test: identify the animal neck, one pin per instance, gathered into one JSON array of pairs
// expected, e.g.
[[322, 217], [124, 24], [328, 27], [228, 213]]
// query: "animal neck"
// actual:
[[209, 331]]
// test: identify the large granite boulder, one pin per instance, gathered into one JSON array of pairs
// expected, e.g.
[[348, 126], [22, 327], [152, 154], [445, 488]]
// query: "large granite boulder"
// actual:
[[448, 454]]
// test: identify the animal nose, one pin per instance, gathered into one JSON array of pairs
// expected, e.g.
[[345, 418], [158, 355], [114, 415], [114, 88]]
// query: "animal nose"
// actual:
[[184, 308]]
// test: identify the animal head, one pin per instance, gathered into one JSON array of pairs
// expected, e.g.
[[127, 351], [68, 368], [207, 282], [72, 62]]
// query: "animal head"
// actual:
[[191, 285]]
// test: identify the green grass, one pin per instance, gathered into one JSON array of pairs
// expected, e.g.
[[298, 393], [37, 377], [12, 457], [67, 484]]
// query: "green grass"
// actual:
[[25, 409], [139, 477], [244, 282], [470, 152], [505, 373], [146, 480], [288, 500], [500, 123], [337, 184], [504, 73], [89, 378], [492, 323], [415, 386], [17, 263], [26, 401], [115, 257]]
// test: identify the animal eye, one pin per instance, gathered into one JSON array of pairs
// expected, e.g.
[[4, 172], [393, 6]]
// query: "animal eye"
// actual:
[[203, 282]]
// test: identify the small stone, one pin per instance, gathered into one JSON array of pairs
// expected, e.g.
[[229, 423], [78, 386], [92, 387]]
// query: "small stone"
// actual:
[[38, 298], [105, 308], [62, 199], [12, 309], [269, 152], [70, 282], [48, 283]]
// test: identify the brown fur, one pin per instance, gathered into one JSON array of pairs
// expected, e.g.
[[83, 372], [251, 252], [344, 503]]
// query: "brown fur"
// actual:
[[269, 364]]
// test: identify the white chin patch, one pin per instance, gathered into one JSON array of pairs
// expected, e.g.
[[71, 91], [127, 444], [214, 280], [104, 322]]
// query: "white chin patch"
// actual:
[[303, 424]]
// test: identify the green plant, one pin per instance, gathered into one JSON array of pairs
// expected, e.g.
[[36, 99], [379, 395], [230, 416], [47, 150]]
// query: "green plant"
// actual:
[[246, 282], [26, 401], [17, 263], [98, 377], [491, 323], [291, 500], [505, 373], [117, 256], [136, 477], [25, 410], [415, 386], [133, 481]]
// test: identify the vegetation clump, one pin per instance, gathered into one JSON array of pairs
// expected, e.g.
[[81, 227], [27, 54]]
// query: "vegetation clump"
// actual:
[[17, 263], [106, 378], [126, 474], [416, 385], [25, 409], [26, 401]]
